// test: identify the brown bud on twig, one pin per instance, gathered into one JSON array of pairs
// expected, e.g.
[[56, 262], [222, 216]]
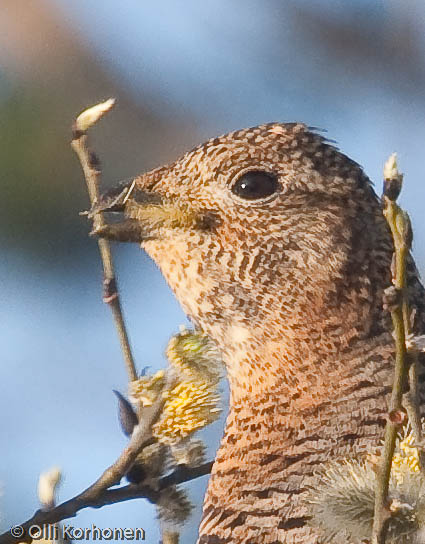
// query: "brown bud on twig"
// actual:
[[397, 417], [110, 292], [392, 188], [393, 179], [127, 416]]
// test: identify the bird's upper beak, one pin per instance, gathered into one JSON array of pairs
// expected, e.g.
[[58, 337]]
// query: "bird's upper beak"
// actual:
[[115, 199]]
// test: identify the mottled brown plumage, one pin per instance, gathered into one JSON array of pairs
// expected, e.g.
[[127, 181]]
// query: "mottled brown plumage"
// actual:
[[290, 287]]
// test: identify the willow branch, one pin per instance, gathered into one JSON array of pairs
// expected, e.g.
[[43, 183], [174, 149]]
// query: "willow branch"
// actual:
[[90, 165], [88, 499], [399, 224], [100, 493]]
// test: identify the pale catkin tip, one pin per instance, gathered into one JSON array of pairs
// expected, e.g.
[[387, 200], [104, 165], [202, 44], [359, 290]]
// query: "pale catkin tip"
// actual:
[[92, 115], [173, 507], [189, 452], [391, 170], [195, 356], [47, 485], [147, 389], [342, 495], [415, 343]]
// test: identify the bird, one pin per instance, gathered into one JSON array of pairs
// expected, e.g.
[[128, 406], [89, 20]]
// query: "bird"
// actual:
[[275, 245]]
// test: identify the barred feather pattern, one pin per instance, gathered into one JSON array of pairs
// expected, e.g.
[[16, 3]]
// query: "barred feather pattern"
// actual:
[[290, 289]]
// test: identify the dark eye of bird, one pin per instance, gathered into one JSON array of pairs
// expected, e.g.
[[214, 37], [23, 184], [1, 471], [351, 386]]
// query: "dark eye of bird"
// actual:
[[255, 184]]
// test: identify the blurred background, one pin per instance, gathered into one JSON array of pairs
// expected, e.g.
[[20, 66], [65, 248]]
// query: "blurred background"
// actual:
[[182, 72]]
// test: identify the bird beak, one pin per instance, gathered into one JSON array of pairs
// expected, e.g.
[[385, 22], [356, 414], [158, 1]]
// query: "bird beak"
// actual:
[[115, 200], [147, 215]]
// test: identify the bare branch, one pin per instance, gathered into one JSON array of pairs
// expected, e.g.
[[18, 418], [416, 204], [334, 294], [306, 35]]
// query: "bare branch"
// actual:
[[88, 499], [90, 165], [100, 493], [399, 224]]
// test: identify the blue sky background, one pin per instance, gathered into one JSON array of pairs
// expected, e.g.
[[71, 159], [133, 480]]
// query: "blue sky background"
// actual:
[[213, 66]]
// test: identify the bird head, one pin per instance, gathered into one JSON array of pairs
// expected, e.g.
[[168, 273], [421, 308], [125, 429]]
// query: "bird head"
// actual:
[[271, 239]]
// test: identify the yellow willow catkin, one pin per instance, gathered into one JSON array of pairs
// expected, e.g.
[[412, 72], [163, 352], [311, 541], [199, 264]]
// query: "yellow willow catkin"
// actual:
[[155, 216], [195, 356], [189, 407]]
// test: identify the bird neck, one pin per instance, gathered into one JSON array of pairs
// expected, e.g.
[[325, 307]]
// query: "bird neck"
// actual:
[[300, 411], [301, 351]]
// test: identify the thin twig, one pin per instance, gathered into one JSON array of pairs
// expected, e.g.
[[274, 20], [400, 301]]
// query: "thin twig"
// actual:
[[412, 403], [90, 165], [70, 508], [412, 398], [399, 225], [99, 493]]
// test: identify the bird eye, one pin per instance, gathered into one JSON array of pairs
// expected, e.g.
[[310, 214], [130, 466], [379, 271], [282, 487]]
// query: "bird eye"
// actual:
[[255, 184]]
